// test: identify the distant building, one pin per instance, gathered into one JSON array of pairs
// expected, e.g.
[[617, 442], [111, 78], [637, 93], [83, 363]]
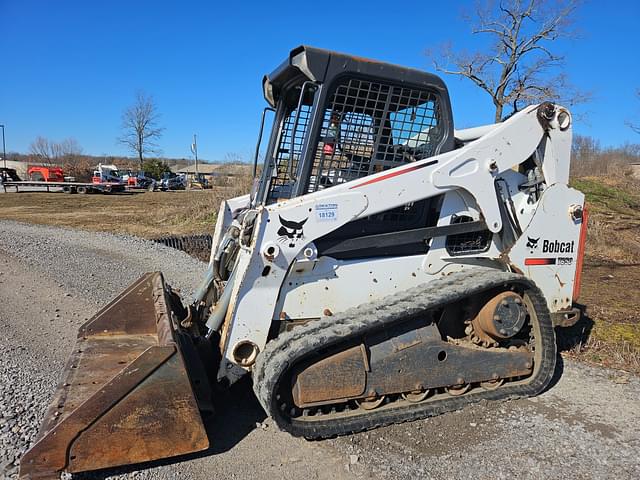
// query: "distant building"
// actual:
[[205, 168]]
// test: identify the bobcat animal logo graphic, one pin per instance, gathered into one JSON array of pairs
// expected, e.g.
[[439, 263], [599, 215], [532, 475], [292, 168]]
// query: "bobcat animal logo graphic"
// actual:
[[532, 243], [291, 231]]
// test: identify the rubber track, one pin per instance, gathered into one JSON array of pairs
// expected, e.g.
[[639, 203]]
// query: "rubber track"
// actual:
[[282, 353]]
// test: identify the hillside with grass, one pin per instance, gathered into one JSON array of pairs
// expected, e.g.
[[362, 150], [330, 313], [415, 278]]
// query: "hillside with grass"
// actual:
[[610, 332]]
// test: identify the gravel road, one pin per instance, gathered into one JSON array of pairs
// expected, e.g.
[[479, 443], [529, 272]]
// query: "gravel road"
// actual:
[[52, 280]]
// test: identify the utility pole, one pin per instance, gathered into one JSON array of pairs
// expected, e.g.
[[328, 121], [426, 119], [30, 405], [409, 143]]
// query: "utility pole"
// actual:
[[194, 150], [4, 149]]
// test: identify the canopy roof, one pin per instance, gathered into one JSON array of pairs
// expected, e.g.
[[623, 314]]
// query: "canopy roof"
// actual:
[[321, 66]]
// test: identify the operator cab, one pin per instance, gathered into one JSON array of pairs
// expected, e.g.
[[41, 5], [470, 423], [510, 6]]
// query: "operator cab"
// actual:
[[339, 118]]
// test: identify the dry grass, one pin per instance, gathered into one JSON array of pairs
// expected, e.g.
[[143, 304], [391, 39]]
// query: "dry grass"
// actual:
[[610, 332], [613, 353], [614, 221], [147, 215]]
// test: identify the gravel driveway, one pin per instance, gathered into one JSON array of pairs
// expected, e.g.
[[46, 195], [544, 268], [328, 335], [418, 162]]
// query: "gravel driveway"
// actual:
[[52, 280]]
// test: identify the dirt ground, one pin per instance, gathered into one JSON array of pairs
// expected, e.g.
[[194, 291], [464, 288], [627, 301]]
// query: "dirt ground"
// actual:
[[609, 332]]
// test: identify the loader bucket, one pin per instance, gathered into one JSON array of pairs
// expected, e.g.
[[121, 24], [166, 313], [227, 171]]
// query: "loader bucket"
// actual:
[[126, 394]]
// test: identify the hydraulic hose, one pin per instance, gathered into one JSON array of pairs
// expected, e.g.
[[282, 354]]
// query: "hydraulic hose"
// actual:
[[205, 285], [220, 310]]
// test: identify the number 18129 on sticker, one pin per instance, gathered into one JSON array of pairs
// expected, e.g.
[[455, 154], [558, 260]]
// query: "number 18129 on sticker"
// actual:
[[327, 212]]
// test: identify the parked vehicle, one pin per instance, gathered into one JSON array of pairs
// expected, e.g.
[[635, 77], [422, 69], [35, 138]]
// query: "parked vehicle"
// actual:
[[140, 180], [172, 181], [198, 182], [106, 174], [125, 175], [105, 180], [9, 175]]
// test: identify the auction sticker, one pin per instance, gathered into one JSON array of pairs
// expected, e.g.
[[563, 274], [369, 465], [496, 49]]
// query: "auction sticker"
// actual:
[[327, 212]]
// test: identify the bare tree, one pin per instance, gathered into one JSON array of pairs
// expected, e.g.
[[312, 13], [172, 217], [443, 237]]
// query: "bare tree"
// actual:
[[48, 151], [74, 163], [589, 158], [140, 127], [518, 67], [634, 126], [69, 147], [41, 149]]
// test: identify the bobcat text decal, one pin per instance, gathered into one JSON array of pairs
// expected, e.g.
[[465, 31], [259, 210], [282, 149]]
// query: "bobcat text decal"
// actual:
[[550, 246], [555, 246]]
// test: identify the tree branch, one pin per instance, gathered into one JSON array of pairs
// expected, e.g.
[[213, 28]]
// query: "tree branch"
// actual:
[[140, 128], [517, 67]]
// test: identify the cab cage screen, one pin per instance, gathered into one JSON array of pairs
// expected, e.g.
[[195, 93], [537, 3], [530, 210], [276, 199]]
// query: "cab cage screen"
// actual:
[[372, 126], [289, 149]]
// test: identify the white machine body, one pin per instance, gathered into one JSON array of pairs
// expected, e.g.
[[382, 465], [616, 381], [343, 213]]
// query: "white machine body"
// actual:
[[277, 277]]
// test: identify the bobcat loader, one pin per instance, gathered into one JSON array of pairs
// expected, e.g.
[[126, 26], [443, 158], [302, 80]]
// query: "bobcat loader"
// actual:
[[384, 268]]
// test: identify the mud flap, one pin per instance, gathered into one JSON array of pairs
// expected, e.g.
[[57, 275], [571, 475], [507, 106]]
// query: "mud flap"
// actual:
[[126, 395]]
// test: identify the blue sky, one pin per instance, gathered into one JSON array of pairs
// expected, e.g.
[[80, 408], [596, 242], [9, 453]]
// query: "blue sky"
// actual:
[[69, 68]]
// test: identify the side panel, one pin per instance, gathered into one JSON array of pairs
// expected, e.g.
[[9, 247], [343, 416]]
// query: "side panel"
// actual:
[[548, 248], [281, 233]]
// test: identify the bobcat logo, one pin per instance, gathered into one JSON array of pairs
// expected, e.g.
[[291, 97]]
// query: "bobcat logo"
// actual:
[[291, 231], [532, 243]]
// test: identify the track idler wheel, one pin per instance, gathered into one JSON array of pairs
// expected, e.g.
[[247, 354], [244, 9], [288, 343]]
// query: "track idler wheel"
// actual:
[[502, 317]]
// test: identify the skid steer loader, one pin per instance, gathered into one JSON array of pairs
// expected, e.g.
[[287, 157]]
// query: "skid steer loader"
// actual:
[[384, 268]]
